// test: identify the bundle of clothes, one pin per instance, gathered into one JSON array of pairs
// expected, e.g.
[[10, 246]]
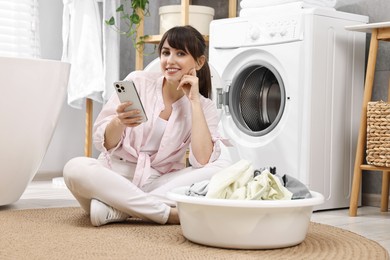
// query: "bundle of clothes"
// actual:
[[242, 181]]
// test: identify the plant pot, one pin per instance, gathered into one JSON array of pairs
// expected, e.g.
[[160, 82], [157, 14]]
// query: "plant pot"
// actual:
[[199, 17]]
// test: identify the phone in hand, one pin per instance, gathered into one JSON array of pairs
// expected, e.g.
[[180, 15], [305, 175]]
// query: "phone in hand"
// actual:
[[126, 92]]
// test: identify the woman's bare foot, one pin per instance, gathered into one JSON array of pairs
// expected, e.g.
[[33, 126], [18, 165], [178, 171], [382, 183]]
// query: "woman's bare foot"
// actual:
[[173, 218]]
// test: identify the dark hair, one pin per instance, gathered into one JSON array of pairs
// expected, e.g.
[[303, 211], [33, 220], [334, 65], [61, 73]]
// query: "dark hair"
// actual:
[[189, 40]]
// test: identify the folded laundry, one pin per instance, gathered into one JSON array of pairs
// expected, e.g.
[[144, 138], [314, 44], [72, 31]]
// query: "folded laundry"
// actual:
[[265, 186], [240, 181], [227, 181], [198, 189], [306, 3], [298, 189]]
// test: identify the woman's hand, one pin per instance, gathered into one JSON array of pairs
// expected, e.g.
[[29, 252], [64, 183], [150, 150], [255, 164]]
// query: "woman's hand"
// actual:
[[115, 128], [189, 84], [128, 118]]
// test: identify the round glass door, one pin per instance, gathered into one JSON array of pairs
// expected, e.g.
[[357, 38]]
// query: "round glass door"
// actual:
[[257, 99]]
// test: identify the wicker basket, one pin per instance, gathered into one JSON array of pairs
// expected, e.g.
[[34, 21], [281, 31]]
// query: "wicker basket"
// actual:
[[378, 133]]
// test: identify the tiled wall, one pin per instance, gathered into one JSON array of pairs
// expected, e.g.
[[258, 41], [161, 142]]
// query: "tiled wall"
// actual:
[[377, 10]]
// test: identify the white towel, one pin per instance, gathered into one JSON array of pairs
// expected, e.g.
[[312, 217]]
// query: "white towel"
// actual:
[[111, 47], [307, 3], [94, 58]]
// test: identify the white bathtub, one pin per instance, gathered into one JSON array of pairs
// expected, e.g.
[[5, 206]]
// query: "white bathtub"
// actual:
[[32, 94]]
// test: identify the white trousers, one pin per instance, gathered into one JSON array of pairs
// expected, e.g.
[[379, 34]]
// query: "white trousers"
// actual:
[[89, 178]]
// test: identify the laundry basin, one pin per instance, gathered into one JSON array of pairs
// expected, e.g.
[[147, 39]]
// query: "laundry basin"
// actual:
[[244, 224]]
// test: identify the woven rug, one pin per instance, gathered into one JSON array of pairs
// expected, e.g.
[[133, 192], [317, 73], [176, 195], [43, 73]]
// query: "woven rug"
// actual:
[[66, 233]]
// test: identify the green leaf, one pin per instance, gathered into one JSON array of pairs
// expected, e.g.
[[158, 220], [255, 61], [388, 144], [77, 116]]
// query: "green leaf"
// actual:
[[111, 21], [135, 19], [134, 4], [131, 20], [120, 8], [142, 4]]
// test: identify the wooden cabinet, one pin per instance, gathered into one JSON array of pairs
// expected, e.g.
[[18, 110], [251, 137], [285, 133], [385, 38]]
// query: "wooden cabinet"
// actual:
[[155, 39]]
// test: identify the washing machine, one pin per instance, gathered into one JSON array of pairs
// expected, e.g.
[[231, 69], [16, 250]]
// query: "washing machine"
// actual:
[[291, 94]]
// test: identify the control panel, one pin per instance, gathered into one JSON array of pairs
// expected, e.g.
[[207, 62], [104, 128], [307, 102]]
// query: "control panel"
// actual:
[[269, 30], [255, 31]]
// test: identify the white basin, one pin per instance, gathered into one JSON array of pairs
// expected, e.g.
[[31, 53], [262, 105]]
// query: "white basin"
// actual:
[[244, 224]]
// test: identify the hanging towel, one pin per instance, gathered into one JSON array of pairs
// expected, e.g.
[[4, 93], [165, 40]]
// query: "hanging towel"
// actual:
[[306, 3], [111, 47], [94, 59]]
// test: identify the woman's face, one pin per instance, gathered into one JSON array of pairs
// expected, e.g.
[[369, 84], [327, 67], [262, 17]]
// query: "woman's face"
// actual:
[[175, 63]]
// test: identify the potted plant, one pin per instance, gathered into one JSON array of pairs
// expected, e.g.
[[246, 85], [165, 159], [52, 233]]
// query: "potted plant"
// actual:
[[131, 19]]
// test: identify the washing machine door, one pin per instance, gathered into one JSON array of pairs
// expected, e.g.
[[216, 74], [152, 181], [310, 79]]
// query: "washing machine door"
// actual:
[[256, 99]]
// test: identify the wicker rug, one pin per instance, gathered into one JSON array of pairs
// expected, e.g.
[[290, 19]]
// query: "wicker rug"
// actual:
[[66, 233]]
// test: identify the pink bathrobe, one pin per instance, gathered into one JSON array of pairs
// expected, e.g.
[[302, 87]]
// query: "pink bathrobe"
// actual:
[[176, 138]]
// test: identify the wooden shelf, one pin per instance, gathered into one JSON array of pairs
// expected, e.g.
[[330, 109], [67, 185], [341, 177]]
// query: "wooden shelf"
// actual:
[[379, 32], [155, 39], [368, 167]]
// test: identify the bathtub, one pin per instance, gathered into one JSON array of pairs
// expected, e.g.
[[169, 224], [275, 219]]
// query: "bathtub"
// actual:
[[32, 94]]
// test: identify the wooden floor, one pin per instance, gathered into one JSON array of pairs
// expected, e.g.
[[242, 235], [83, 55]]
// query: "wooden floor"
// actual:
[[370, 222]]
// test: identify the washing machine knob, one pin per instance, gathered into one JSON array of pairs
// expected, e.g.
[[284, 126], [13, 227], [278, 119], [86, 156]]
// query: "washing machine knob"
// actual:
[[254, 32], [283, 32]]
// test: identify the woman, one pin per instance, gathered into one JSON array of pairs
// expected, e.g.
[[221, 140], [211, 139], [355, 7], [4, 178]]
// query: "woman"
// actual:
[[140, 162]]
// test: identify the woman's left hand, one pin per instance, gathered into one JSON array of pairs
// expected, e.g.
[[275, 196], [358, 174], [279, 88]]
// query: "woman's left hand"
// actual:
[[189, 84]]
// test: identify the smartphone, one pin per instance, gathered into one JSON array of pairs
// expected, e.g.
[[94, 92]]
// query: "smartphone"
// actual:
[[126, 91]]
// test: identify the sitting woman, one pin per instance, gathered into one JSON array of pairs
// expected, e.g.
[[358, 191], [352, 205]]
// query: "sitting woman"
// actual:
[[140, 162]]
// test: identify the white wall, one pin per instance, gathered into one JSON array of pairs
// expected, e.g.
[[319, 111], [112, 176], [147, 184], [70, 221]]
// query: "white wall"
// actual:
[[68, 139]]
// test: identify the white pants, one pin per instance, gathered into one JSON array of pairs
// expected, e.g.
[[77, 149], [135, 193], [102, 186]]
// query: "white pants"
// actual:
[[88, 178]]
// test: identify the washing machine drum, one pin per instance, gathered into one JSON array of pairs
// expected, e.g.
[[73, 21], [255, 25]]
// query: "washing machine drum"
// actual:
[[257, 99]]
